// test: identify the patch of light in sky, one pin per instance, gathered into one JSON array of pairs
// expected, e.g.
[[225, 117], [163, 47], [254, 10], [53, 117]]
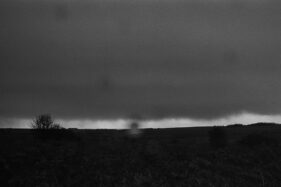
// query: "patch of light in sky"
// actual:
[[243, 118]]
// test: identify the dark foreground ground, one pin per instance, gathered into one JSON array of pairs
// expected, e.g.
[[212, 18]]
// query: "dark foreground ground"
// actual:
[[246, 156]]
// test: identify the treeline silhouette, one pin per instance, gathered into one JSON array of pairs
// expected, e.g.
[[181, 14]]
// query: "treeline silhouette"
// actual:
[[45, 128]]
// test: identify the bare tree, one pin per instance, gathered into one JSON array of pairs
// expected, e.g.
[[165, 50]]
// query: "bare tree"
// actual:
[[44, 121]]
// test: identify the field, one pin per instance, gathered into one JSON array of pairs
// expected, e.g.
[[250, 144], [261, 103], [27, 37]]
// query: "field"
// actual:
[[249, 156]]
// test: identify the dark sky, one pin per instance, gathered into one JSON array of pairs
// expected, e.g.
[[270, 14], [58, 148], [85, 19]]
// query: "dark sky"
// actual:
[[77, 59]]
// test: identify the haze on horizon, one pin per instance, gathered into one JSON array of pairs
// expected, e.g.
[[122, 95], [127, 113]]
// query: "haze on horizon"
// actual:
[[96, 60]]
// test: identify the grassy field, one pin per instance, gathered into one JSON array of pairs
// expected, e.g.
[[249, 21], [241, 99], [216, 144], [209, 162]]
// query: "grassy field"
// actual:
[[251, 156]]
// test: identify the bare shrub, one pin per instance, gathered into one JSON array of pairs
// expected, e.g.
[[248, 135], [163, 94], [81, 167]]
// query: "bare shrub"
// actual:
[[44, 122], [45, 128]]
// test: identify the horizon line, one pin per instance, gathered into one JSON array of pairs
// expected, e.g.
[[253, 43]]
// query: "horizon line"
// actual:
[[244, 118]]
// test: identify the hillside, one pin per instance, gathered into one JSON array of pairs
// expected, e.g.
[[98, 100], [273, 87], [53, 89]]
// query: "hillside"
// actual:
[[159, 157]]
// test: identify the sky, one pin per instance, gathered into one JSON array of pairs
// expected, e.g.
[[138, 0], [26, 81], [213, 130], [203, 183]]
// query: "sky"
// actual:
[[90, 61]]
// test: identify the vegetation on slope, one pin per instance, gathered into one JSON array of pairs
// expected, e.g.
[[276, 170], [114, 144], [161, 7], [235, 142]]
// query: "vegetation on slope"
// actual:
[[159, 157]]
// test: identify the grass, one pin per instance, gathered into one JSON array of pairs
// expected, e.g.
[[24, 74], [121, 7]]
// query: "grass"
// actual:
[[159, 157]]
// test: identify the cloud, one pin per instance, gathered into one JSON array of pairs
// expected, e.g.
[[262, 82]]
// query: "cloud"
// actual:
[[161, 61], [123, 123]]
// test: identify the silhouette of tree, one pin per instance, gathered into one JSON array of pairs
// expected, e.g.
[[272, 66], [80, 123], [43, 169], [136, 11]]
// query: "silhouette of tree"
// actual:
[[44, 121]]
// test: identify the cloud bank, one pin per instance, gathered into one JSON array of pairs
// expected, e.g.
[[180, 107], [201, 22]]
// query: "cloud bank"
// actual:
[[106, 61], [243, 118]]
